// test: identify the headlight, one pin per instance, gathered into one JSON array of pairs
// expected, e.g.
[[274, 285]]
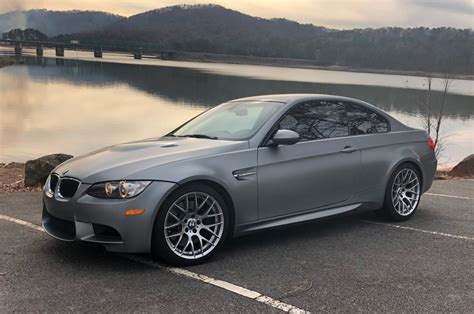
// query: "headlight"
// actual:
[[118, 189], [47, 187]]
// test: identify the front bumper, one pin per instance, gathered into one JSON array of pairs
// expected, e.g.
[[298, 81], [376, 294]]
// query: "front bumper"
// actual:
[[86, 218]]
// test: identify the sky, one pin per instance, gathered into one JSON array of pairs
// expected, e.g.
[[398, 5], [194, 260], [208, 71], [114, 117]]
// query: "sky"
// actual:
[[341, 14]]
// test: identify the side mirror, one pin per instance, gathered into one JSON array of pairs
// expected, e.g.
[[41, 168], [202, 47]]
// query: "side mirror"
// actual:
[[285, 137]]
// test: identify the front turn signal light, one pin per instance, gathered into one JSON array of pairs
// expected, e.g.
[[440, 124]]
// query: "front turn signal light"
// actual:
[[135, 211]]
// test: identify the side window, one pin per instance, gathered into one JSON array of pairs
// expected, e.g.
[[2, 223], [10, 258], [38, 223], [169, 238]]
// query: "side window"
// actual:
[[317, 120], [365, 121]]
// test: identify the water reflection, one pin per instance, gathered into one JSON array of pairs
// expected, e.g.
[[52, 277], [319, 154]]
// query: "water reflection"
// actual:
[[210, 89], [51, 105]]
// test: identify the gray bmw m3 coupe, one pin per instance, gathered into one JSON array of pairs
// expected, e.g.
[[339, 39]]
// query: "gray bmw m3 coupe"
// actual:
[[246, 165]]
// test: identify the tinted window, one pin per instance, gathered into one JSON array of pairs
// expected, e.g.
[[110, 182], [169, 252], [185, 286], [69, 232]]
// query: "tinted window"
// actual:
[[317, 120], [365, 121]]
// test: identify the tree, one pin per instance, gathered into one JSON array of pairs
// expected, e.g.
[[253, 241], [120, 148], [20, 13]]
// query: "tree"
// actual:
[[432, 114]]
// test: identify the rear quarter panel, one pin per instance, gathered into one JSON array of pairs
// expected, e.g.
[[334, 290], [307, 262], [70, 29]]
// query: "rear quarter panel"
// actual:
[[382, 153]]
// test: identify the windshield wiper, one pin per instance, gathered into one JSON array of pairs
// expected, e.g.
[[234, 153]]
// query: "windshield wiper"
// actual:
[[200, 136]]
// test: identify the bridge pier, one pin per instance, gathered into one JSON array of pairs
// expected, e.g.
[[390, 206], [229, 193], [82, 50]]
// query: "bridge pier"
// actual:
[[59, 51], [39, 50], [98, 52], [18, 49], [137, 54]]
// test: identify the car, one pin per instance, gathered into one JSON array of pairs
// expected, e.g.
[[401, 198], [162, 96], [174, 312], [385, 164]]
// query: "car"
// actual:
[[243, 166]]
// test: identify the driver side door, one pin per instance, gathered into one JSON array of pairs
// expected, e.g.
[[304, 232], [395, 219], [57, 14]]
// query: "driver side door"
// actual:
[[319, 170]]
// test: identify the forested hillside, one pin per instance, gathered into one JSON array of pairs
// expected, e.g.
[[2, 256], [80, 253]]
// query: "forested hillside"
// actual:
[[53, 23], [215, 29]]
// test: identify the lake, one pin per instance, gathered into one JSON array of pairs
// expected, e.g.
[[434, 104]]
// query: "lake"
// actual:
[[79, 104]]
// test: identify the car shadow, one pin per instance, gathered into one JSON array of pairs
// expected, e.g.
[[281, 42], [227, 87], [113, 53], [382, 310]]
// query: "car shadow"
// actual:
[[304, 231]]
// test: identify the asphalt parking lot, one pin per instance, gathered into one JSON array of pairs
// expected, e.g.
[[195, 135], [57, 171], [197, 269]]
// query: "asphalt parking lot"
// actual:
[[346, 264]]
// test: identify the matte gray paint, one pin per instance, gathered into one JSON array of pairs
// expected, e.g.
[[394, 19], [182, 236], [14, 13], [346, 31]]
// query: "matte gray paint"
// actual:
[[283, 184]]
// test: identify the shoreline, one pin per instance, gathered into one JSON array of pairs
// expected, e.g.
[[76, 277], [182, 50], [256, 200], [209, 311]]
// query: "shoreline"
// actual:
[[6, 61], [181, 56], [301, 64]]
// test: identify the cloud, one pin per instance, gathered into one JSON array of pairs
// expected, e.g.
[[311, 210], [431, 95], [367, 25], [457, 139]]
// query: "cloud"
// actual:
[[464, 7], [329, 13]]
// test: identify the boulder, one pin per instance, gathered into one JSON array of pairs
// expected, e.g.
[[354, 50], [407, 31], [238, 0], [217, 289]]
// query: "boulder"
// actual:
[[37, 170], [464, 169]]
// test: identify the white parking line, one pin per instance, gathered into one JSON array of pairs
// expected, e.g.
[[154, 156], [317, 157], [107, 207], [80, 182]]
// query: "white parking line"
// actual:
[[451, 196], [254, 295], [21, 222], [454, 236]]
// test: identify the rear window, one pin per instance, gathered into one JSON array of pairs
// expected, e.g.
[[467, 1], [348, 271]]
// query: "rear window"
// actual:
[[362, 120]]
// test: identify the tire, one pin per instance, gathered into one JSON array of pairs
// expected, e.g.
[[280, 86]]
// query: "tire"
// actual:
[[187, 234], [403, 193]]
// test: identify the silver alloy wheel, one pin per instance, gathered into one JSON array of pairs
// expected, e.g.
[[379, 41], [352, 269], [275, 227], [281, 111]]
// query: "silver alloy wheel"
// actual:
[[194, 225], [405, 192]]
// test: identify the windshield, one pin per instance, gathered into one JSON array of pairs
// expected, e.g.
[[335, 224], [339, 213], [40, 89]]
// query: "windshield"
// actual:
[[229, 121]]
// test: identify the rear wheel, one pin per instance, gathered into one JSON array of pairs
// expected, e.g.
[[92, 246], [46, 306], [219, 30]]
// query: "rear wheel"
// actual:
[[403, 192], [191, 225]]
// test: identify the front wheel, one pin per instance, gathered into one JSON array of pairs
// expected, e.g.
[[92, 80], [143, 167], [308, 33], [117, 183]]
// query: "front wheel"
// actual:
[[191, 225], [402, 195]]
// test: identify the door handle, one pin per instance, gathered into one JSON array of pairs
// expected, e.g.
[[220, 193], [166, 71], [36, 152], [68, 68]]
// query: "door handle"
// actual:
[[348, 149]]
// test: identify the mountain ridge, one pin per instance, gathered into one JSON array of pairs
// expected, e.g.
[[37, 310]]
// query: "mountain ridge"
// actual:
[[53, 22], [216, 29]]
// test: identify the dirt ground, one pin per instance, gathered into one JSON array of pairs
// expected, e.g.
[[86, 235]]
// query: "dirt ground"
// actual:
[[12, 178]]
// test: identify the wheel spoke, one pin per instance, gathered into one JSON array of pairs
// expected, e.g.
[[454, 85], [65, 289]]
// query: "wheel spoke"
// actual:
[[172, 226], [200, 243], [203, 238], [413, 189], [179, 240], [173, 235], [209, 209], [174, 216], [192, 246], [180, 208], [196, 206], [213, 215], [214, 224], [185, 247], [212, 232], [203, 202]]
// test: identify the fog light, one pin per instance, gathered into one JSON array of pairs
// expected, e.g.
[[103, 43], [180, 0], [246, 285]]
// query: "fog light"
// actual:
[[135, 211]]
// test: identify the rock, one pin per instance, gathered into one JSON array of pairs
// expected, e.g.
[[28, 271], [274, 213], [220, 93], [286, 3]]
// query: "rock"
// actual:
[[464, 169], [37, 170]]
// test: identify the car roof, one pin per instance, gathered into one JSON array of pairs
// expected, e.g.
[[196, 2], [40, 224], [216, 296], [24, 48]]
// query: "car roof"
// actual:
[[291, 98]]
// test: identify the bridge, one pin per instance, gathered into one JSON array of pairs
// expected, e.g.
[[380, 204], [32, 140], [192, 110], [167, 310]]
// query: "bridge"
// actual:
[[60, 47]]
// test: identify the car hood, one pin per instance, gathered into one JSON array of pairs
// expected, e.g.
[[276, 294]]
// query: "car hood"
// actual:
[[123, 160]]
